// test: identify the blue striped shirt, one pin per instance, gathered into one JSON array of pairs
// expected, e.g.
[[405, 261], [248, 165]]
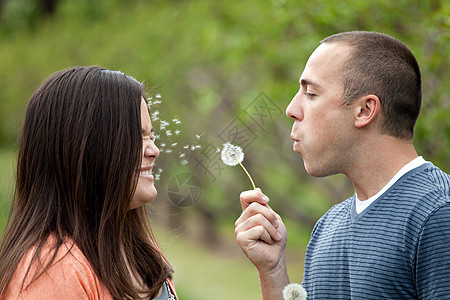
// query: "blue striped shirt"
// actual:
[[397, 248]]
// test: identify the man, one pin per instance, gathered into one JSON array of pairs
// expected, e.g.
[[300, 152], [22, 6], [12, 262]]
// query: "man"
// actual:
[[359, 98]]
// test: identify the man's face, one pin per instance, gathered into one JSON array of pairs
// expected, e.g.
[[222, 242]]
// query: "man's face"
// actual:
[[322, 129]]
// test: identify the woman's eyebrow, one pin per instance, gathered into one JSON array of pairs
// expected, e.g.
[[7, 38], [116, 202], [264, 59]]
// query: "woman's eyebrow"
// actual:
[[144, 131]]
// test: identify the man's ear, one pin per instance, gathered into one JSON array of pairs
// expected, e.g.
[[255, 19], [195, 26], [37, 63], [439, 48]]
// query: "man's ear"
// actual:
[[366, 110]]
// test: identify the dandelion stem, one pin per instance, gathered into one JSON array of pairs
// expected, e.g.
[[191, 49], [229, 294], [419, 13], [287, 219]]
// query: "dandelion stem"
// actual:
[[248, 174]]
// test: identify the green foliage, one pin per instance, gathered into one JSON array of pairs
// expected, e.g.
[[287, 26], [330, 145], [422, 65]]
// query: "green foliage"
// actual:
[[210, 60]]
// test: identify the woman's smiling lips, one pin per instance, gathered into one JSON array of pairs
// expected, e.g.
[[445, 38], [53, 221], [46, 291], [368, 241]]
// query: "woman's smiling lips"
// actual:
[[146, 171]]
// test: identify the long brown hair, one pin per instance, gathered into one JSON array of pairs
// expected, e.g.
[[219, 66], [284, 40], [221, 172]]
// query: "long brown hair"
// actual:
[[78, 164]]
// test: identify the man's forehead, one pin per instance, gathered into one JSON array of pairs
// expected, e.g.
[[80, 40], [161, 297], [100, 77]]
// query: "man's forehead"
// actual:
[[326, 59]]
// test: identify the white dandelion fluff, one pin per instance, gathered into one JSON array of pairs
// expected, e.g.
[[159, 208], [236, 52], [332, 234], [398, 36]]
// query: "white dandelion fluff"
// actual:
[[157, 177], [232, 155], [177, 132], [176, 121], [294, 291], [184, 162], [158, 96], [169, 132]]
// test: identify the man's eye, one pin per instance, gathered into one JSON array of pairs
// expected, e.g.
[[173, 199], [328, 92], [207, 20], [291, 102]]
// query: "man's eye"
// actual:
[[310, 95]]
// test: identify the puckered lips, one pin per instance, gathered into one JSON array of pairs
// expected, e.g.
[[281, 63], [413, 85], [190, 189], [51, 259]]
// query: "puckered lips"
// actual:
[[296, 142]]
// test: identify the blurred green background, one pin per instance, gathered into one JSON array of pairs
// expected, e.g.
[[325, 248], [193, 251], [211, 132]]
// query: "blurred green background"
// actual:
[[226, 70]]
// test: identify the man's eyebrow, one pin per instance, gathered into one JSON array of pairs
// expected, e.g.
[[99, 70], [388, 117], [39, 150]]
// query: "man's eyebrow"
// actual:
[[304, 82]]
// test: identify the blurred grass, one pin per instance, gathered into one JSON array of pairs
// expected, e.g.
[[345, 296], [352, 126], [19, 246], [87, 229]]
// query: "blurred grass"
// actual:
[[7, 160]]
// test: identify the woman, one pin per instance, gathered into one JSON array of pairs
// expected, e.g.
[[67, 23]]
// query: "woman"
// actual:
[[78, 228]]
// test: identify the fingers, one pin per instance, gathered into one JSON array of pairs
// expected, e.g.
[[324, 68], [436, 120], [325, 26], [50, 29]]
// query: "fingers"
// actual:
[[251, 196], [257, 227], [263, 217]]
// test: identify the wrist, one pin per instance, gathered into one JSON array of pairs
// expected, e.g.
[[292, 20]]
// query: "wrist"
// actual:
[[274, 280]]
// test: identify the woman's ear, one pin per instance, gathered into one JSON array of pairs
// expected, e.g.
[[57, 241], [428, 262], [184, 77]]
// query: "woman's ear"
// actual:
[[366, 110]]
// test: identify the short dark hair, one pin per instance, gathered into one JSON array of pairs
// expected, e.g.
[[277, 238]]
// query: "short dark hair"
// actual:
[[382, 65]]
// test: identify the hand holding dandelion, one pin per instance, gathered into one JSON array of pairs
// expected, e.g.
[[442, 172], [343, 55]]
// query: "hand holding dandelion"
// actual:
[[232, 155]]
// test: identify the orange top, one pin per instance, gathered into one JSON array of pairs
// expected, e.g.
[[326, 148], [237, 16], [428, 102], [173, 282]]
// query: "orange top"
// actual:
[[69, 277]]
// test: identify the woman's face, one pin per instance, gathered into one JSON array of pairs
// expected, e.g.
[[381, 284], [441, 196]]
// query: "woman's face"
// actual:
[[145, 190]]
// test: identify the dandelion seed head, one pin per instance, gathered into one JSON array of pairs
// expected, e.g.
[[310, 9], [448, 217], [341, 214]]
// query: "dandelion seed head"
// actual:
[[294, 291], [231, 155]]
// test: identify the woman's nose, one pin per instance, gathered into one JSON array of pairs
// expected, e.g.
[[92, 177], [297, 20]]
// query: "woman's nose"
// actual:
[[150, 150]]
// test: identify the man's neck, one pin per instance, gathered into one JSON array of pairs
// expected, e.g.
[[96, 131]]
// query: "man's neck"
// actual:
[[378, 165]]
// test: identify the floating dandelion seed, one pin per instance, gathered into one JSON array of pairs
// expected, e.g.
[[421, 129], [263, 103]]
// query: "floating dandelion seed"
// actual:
[[294, 291], [182, 155], [157, 177], [162, 145], [177, 132], [158, 96], [184, 162], [169, 151], [169, 132], [176, 121], [173, 144], [233, 155]]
